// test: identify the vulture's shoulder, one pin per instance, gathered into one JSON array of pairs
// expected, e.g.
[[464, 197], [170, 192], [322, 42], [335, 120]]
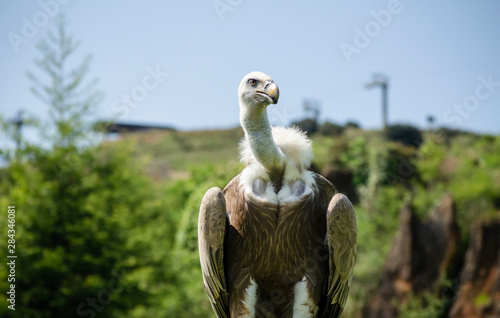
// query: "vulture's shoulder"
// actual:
[[232, 188], [233, 195], [326, 189]]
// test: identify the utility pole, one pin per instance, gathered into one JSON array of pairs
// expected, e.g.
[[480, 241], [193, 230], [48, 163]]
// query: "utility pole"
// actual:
[[381, 80], [18, 122]]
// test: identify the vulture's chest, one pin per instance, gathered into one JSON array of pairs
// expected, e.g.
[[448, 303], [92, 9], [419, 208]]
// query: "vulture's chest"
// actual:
[[275, 244], [277, 234], [273, 249]]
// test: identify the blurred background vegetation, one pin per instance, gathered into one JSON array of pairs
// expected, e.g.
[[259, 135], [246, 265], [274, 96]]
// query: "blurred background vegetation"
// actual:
[[108, 228]]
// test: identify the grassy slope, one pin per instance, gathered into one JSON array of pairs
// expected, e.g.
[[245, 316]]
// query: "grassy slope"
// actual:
[[172, 154]]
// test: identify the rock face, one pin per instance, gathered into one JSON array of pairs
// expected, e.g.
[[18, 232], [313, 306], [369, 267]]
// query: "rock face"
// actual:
[[420, 255], [479, 292]]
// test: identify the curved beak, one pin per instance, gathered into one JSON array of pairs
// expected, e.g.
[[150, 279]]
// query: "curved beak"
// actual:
[[271, 92]]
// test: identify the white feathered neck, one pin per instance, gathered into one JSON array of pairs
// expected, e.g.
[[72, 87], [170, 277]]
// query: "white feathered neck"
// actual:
[[292, 142]]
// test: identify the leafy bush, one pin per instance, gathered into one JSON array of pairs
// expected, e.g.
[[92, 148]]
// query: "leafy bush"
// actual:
[[425, 305], [356, 159], [76, 225]]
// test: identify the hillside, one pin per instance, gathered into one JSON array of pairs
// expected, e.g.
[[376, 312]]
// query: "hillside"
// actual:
[[171, 155], [126, 211], [385, 174]]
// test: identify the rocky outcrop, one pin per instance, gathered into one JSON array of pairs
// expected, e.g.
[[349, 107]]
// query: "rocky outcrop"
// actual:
[[479, 292], [420, 255]]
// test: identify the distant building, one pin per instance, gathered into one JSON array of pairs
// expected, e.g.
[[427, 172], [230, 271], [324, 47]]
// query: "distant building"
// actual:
[[117, 127]]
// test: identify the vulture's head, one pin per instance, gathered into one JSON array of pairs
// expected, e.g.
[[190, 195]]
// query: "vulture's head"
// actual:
[[257, 90]]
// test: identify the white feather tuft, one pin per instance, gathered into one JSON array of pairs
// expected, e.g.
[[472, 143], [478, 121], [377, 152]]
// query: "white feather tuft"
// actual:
[[251, 299], [292, 142], [302, 304]]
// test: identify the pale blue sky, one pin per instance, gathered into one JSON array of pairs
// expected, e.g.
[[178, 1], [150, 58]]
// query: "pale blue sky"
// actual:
[[437, 54]]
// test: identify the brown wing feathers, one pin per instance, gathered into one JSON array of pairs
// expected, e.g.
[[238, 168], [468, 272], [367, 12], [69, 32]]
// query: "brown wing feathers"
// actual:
[[212, 226]]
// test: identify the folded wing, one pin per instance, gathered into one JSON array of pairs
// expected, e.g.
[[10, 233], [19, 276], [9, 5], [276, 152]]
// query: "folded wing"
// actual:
[[342, 240], [212, 225]]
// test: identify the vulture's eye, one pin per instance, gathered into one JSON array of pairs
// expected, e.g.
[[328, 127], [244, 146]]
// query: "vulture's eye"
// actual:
[[252, 82]]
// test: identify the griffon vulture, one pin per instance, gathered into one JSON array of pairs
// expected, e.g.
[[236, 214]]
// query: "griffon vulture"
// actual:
[[277, 241]]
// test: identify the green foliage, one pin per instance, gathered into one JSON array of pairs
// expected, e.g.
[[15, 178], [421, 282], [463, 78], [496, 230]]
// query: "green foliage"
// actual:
[[476, 183], [424, 305], [76, 206], [390, 166], [425, 202], [123, 222], [75, 229], [182, 151], [468, 167], [65, 90], [482, 300], [325, 150], [430, 162], [375, 234], [356, 159], [181, 268]]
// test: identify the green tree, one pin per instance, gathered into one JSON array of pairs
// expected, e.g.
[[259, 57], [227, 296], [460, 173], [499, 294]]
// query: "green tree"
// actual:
[[63, 87], [83, 214]]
